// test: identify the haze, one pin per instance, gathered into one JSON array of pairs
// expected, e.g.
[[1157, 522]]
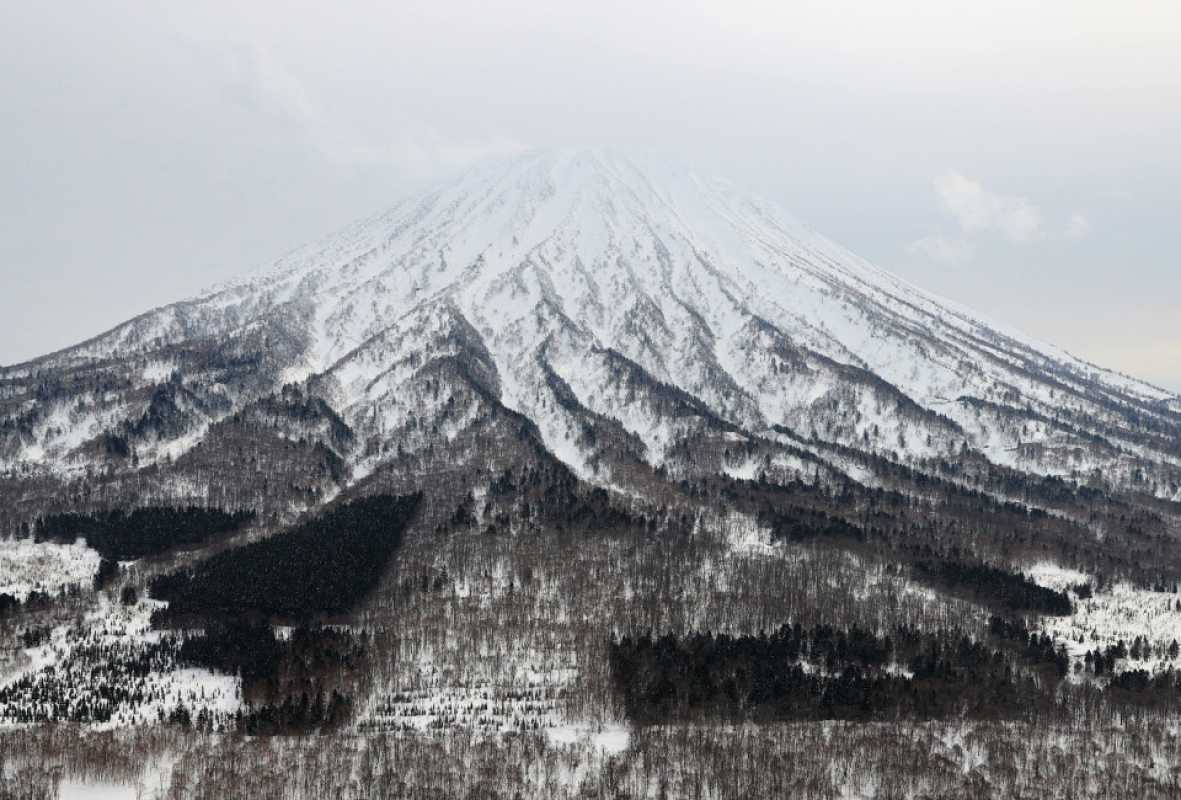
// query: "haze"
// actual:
[[1021, 160]]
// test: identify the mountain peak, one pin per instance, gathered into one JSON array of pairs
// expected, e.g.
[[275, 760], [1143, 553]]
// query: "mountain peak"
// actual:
[[588, 288]]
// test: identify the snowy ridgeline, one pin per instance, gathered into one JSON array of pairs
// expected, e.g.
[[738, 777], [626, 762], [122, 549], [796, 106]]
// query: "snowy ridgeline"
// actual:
[[660, 300]]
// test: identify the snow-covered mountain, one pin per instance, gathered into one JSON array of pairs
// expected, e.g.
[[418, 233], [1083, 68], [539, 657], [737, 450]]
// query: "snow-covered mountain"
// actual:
[[645, 321]]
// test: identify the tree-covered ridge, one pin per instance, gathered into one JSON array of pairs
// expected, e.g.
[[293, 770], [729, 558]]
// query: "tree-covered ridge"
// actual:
[[324, 566], [128, 535]]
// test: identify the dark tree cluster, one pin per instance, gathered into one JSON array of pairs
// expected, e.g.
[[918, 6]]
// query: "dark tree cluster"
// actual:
[[125, 536], [252, 651], [594, 511], [236, 647], [36, 600], [106, 572], [1032, 647], [803, 524], [797, 674], [324, 566], [552, 493], [293, 684], [996, 587], [291, 404], [165, 416], [1103, 662], [295, 714], [34, 636], [1158, 689]]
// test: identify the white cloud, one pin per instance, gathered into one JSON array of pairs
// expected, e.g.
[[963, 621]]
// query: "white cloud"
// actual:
[[943, 250], [979, 210], [1078, 227], [259, 81], [417, 152]]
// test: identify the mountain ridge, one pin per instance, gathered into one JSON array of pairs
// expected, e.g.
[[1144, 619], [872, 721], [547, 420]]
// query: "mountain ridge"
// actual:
[[544, 265]]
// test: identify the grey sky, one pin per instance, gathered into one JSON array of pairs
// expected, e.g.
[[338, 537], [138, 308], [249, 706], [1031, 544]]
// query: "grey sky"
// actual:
[[1023, 161]]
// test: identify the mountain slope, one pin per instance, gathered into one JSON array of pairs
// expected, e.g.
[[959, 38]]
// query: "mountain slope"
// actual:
[[667, 311]]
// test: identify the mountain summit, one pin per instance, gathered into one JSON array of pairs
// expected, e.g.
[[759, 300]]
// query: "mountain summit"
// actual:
[[640, 320]]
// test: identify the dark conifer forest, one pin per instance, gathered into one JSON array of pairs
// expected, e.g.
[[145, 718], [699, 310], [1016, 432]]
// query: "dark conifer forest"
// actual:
[[823, 673], [996, 587], [322, 567], [125, 536]]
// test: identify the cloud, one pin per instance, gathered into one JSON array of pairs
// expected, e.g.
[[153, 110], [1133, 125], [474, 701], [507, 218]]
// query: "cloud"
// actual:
[[417, 151], [1079, 227], [258, 81], [384, 137], [978, 210], [943, 250]]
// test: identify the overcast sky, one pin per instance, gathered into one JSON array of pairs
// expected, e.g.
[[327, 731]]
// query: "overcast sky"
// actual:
[[1021, 158]]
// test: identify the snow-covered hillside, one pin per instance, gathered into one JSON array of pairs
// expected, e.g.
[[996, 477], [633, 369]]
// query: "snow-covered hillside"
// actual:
[[587, 292]]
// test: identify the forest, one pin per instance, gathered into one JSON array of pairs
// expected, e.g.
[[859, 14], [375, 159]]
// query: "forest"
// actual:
[[1014, 593], [321, 567], [824, 673], [127, 535]]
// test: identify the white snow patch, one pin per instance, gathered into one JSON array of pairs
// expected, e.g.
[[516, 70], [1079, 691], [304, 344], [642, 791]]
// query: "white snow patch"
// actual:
[[1052, 576], [1120, 612], [115, 628], [610, 739], [94, 790], [27, 566]]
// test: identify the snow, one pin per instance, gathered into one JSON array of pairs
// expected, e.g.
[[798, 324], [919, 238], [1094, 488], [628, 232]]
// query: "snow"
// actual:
[[748, 470], [111, 627], [158, 371], [565, 257], [609, 739], [746, 535], [87, 790], [1119, 612], [1052, 576], [27, 566]]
